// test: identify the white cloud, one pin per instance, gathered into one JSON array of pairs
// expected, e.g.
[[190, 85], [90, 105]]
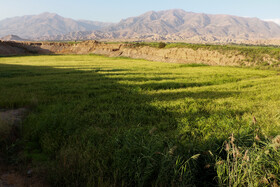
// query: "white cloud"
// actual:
[[274, 20]]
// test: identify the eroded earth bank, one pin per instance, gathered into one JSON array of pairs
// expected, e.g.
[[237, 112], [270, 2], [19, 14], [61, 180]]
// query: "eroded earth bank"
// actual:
[[206, 54]]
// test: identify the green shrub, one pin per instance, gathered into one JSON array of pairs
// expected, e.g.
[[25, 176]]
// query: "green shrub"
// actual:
[[161, 45]]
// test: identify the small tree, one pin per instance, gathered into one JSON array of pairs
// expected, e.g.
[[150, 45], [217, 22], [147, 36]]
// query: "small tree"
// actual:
[[161, 45]]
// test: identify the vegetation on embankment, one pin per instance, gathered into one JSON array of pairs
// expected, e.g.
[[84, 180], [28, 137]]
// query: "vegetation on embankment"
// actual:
[[100, 121], [265, 57], [262, 56]]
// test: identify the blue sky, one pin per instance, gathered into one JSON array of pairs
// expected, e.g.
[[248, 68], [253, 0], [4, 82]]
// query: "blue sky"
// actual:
[[115, 10]]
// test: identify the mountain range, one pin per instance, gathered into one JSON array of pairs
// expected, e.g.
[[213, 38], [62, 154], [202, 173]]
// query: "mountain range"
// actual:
[[45, 24], [171, 25]]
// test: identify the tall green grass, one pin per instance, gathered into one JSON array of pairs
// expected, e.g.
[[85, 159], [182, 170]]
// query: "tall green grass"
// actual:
[[101, 121]]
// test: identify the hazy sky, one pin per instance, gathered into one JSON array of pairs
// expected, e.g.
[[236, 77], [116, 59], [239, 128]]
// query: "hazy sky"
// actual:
[[115, 10]]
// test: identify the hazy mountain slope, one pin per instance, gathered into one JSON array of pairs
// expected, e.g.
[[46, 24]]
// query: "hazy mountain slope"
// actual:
[[190, 24], [12, 38], [45, 24], [178, 25], [277, 21]]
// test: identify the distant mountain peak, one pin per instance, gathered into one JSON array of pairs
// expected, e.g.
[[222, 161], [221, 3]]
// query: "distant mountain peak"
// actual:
[[47, 13]]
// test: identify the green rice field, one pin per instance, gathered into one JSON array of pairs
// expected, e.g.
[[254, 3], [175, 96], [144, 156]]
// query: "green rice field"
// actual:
[[100, 121]]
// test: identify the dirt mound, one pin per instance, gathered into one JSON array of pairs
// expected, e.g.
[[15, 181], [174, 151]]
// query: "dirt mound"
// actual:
[[11, 48], [6, 49]]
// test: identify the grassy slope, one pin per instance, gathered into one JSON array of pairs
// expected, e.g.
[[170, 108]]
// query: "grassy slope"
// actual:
[[98, 120]]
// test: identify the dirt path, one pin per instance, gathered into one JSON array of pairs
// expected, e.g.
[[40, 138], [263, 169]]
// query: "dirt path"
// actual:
[[14, 176], [13, 117], [10, 177]]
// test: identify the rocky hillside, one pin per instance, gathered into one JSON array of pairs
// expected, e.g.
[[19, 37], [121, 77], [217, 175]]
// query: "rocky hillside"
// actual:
[[179, 25], [45, 25], [189, 24]]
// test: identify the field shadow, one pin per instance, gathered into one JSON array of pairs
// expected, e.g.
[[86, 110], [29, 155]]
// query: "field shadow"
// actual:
[[119, 105], [88, 112], [164, 96], [172, 85]]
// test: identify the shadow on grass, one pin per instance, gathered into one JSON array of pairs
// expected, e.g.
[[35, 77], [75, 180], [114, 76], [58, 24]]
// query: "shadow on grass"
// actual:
[[171, 85], [164, 96], [91, 130]]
